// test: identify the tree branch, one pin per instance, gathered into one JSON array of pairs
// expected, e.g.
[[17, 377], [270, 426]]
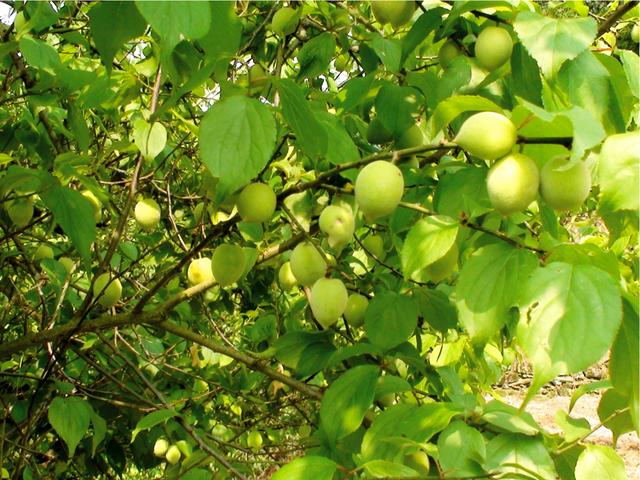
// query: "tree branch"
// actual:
[[615, 16]]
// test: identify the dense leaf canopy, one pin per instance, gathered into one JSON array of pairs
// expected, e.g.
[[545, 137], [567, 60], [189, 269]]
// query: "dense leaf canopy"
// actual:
[[126, 352]]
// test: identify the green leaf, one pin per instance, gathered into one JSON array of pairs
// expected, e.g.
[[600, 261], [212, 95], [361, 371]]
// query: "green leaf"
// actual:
[[436, 309], [525, 76], [569, 315], [346, 401], [587, 84], [601, 462], [463, 191], [396, 107], [461, 450], [389, 51], [586, 254], [305, 352], [622, 97], [631, 65], [587, 130], [341, 148], [428, 240], [350, 351], [237, 137], [520, 455], [386, 469], [509, 418], [315, 55], [572, 428], [450, 108], [40, 54], [612, 404], [624, 363], [223, 38], [74, 213], [389, 384], [173, 21], [151, 420], [553, 41], [413, 422], [390, 319], [488, 286], [421, 28], [619, 172], [318, 468], [110, 35], [99, 431], [149, 138], [70, 418], [310, 133]]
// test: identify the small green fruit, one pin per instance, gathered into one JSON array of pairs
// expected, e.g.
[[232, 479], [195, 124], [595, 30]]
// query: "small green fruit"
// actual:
[[254, 440], [493, 47], [328, 300], [20, 211], [42, 252], [338, 224], [564, 188], [377, 133], [256, 203], [173, 455], [307, 264], [378, 189], [419, 461], [374, 244], [95, 203], [412, 137], [395, 12], [110, 295], [147, 213], [199, 271], [286, 279], [512, 183], [160, 447], [635, 33], [356, 307], [67, 263], [284, 21], [227, 264], [444, 266], [257, 77], [488, 135], [448, 51]]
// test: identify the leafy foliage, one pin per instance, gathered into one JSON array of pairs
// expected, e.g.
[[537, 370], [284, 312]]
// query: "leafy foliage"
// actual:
[[103, 104]]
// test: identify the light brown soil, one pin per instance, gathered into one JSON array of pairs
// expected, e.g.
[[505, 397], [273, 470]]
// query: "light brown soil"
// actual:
[[544, 408]]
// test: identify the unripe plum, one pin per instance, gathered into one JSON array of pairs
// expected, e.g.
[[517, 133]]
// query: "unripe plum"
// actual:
[[284, 21], [256, 203], [377, 133], [395, 12], [20, 211], [513, 183], [307, 265], [564, 188], [227, 264], [111, 294], [160, 447], [173, 455], [338, 224], [356, 307], [199, 271], [147, 213], [488, 135], [493, 47], [378, 189], [286, 279], [328, 300]]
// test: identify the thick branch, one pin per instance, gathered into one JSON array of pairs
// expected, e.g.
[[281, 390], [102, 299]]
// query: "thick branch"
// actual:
[[615, 16]]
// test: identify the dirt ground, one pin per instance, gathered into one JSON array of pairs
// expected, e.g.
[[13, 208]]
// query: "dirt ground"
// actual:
[[544, 407]]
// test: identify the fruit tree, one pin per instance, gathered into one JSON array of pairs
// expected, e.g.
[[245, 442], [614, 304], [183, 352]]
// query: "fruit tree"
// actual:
[[306, 239]]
